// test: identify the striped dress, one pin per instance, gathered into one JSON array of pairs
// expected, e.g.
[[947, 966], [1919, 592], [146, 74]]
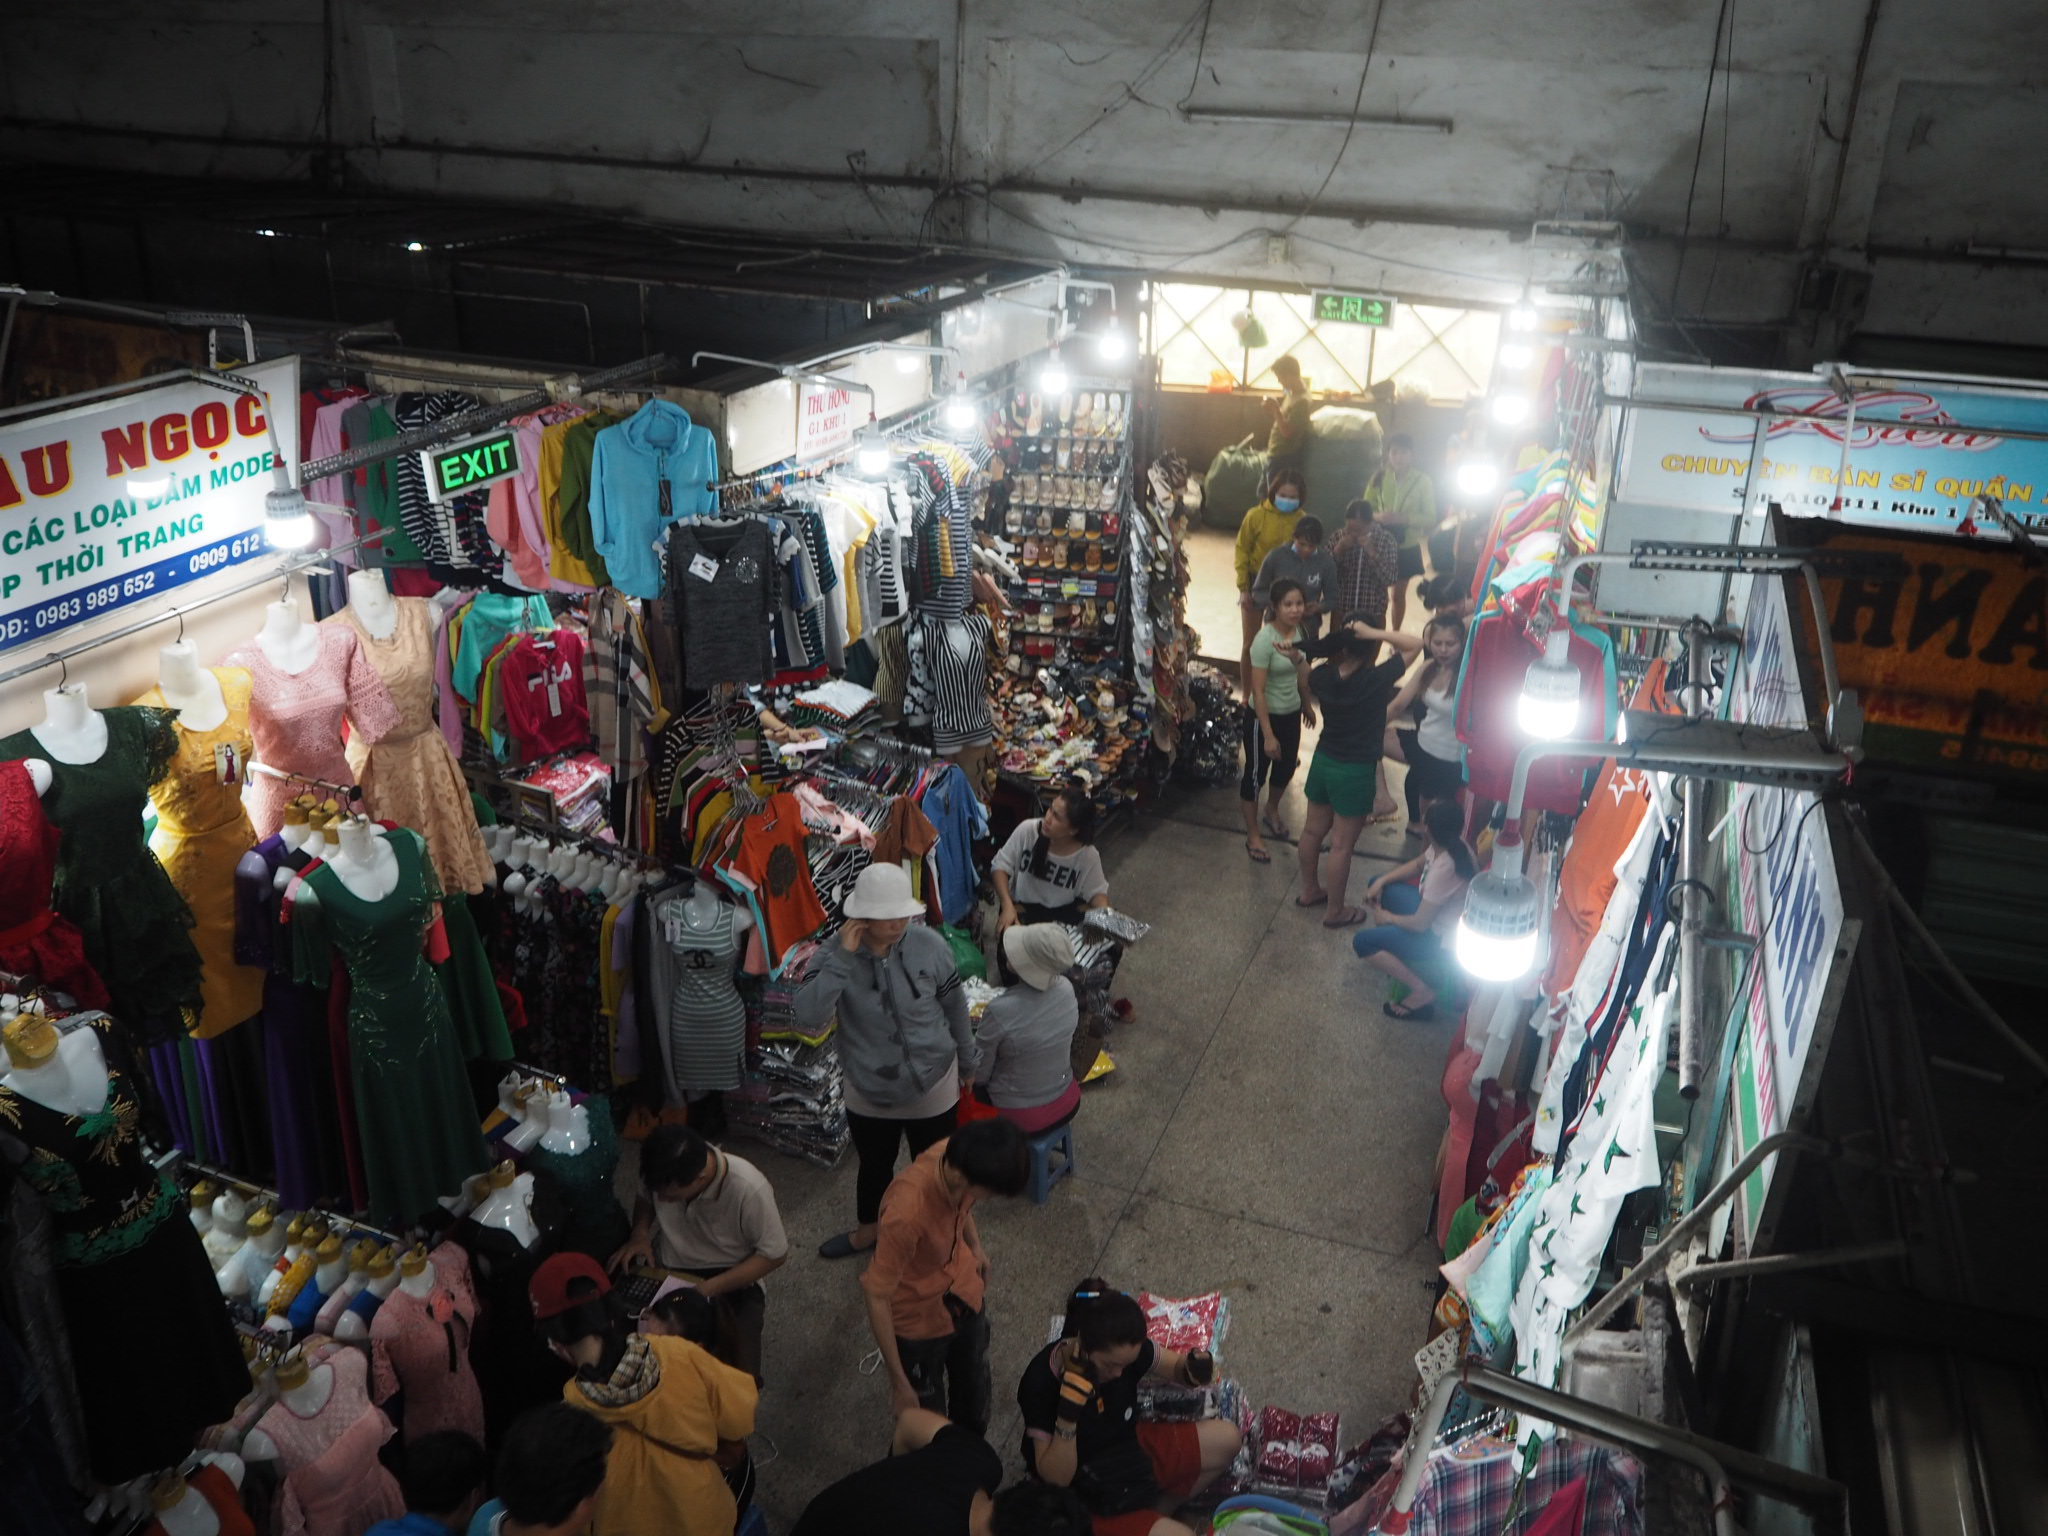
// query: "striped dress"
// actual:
[[707, 1022]]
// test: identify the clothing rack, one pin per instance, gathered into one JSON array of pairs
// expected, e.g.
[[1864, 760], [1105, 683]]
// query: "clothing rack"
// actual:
[[618, 853], [350, 792], [526, 1069], [249, 1186]]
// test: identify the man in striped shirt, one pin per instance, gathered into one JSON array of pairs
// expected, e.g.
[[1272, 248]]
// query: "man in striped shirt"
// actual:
[[1368, 558]]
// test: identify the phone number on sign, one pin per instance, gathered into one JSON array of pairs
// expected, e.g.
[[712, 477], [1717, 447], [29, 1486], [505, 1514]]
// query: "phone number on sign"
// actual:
[[41, 618]]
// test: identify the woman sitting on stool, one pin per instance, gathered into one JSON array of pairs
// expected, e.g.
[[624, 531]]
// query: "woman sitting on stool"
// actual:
[[1027, 1032]]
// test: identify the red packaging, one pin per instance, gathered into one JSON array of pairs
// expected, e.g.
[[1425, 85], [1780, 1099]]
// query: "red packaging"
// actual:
[[1317, 1462], [1278, 1424], [1322, 1429], [1280, 1464]]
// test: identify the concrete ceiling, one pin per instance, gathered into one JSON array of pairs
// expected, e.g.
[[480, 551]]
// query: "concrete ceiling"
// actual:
[[1798, 175]]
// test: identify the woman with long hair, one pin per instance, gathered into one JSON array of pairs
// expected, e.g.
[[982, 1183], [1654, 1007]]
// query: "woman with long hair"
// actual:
[[1429, 747], [1415, 910], [1049, 870], [1272, 745]]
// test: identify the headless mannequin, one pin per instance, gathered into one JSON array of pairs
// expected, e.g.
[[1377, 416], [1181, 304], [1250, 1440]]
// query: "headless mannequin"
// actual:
[[40, 774], [531, 1102], [289, 641], [568, 1126], [298, 824], [72, 730], [365, 861], [382, 1281], [371, 602], [700, 911], [416, 1274], [253, 1260], [182, 1510], [294, 1247], [229, 1228], [509, 1207], [303, 1390], [355, 1275], [69, 1076], [192, 690], [201, 1209]]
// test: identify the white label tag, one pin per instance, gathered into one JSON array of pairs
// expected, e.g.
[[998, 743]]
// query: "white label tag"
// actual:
[[703, 567]]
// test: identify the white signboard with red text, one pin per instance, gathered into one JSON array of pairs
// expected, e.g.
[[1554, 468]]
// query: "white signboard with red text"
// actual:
[[826, 420], [114, 502]]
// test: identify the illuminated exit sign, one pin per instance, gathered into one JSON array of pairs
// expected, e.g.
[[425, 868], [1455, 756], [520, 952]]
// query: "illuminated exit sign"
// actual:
[[1353, 308], [469, 465]]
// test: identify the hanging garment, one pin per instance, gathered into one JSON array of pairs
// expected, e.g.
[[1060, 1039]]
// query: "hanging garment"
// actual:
[[296, 717], [408, 774], [451, 534], [126, 1250], [951, 806], [593, 1221], [574, 557], [707, 1022], [419, 1345], [655, 467], [137, 928], [334, 1485], [201, 833], [412, 1104], [948, 683], [485, 624], [619, 685], [34, 939], [723, 582], [770, 869], [540, 689]]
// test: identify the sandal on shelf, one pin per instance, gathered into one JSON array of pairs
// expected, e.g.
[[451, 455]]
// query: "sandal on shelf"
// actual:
[[1346, 917], [1423, 1015], [1257, 855]]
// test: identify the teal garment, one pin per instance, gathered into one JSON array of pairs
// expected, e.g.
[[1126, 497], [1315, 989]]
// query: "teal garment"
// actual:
[[470, 986], [594, 1222], [1283, 679], [658, 449], [1491, 1290], [490, 618]]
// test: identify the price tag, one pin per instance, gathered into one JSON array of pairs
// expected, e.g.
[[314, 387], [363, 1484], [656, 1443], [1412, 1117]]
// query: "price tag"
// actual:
[[703, 567]]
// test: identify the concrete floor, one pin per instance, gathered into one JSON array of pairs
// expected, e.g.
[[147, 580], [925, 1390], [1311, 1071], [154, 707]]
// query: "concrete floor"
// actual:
[[1267, 1133]]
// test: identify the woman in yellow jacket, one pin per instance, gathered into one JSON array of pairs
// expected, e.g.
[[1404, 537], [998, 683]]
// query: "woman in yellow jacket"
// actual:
[[1265, 528], [668, 1402]]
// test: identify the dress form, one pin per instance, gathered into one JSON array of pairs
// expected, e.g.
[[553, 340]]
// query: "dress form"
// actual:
[[533, 1120], [253, 1260], [416, 1273], [229, 1230], [295, 1232], [67, 1073], [364, 860], [202, 1197], [40, 774], [193, 691], [509, 1207], [355, 1276], [382, 1281], [289, 641], [182, 1509], [568, 1126], [72, 730], [370, 597], [302, 1388], [700, 909]]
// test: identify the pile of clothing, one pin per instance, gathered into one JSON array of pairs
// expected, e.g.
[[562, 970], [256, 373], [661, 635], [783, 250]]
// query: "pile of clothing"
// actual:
[[791, 1099], [1212, 737], [840, 706]]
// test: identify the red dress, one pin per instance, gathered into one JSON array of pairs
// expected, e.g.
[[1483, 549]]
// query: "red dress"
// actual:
[[34, 940]]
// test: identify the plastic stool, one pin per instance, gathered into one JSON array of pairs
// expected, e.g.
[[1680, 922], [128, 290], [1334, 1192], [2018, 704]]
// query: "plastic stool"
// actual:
[[1043, 1174]]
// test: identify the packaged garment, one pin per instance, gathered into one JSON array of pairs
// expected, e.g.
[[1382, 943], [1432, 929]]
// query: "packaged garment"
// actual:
[[1200, 1322]]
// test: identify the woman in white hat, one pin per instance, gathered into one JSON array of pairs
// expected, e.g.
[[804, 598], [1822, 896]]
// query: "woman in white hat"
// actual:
[[1027, 1031], [904, 1041]]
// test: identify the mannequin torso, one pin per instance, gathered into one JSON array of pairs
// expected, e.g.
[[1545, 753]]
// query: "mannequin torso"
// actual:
[[510, 1209], [373, 604], [355, 1323], [365, 861], [183, 1510], [418, 1283], [291, 644], [72, 730], [40, 774], [192, 690], [72, 1082]]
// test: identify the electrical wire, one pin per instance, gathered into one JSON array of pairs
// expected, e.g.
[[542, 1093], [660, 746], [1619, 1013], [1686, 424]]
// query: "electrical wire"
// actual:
[[1130, 92], [1727, 128], [1201, 49], [1372, 42], [1699, 151]]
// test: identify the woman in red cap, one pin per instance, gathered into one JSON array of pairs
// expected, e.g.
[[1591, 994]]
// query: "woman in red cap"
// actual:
[[668, 1402]]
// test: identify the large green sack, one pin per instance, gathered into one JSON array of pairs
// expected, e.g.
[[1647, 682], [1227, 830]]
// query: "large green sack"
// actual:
[[1344, 447], [1234, 485]]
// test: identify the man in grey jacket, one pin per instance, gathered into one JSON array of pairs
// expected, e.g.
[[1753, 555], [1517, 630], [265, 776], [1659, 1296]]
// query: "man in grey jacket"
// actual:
[[905, 1044], [1308, 565]]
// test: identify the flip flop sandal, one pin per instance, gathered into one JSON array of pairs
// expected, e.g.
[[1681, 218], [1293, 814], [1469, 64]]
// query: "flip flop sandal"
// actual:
[[840, 1246], [1423, 1015], [1274, 827], [1258, 855], [1346, 917]]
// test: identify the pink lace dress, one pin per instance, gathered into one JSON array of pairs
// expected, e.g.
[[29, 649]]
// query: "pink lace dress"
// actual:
[[420, 1345], [296, 718], [334, 1485], [408, 774]]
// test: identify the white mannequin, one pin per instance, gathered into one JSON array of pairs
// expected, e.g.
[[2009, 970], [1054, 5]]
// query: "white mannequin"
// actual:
[[228, 1230], [254, 1259], [355, 1273], [616, 883], [200, 1210], [289, 641], [305, 1396], [181, 1509], [497, 839], [370, 600], [468, 1198], [71, 1079], [700, 910], [192, 690], [333, 1268], [416, 1274], [72, 730], [510, 1205], [382, 1282], [365, 861], [319, 841], [294, 1249], [508, 1096], [40, 774], [568, 1126], [533, 1118]]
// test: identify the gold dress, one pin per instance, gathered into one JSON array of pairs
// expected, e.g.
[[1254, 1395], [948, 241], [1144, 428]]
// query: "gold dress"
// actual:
[[202, 831]]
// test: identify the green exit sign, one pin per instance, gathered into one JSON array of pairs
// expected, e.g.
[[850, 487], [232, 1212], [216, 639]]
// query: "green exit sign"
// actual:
[[469, 465], [1353, 308]]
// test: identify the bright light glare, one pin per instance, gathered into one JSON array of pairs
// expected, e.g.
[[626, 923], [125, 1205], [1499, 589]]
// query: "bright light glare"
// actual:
[[1491, 958], [268, 234], [1511, 410], [1547, 719], [1478, 477], [1111, 344], [1522, 318], [960, 413], [1515, 354], [1053, 381], [414, 245], [909, 362], [148, 484], [872, 457], [292, 532]]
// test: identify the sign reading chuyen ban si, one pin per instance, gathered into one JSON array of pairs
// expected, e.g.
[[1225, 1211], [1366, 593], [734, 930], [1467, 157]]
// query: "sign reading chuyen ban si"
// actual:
[[117, 501], [1914, 455], [1333, 308], [469, 465]]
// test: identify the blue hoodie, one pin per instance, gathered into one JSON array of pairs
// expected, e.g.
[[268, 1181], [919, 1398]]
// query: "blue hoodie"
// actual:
[[627, 471]]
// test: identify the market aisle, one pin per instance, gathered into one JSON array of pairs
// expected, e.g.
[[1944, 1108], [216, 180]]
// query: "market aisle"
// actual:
[[1268, 1133]]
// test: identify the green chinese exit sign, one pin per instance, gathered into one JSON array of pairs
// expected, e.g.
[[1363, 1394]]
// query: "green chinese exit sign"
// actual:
[[1353, 308], [469, 465]]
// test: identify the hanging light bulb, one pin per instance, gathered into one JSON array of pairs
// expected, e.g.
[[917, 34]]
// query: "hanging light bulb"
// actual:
[[1496, 939], [287, 524], [1522, 317], [1053, 380], [909, 362], [1511, 409], [1549, 706], [1111, 344], [872, 457], [961, 414], [1477, 477], [1515, 354]]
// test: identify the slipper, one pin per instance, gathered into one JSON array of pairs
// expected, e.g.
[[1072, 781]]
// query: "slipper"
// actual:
[[1258, 855], [1423, 1015], [1378, 817], [1319, 901], [1274, 827], [1346, 917], [841, 1246]]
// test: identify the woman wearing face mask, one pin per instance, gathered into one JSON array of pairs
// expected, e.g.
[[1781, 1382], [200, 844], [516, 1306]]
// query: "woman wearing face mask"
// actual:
[[1265, 528], [1272, 745], [904, 1040]]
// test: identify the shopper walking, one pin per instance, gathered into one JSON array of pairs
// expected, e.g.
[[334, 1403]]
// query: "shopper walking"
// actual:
[[1048, 869], [1274, 719], [1406, 498], [550, 1472], [1368, 561], [904, 1042], [1265, 528], [926, 1283], [669, 1401], [1423, 729], [1414, 909], [1303, 561], [1079, 1396], [1027, 1031], [1353, 691], [711, 1216]]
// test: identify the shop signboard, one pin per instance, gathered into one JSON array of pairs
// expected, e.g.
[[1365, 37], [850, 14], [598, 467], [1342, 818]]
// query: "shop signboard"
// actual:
[[1915, 456], [117, 501], [1333, 308], [469, 465], [1783, 860], [825, 421]]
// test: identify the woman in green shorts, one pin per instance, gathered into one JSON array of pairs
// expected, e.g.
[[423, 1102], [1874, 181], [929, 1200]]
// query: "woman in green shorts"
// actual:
[[1352, 693]]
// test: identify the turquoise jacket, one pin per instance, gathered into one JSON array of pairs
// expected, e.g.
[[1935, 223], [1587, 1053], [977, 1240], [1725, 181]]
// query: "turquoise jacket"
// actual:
[[658, 446]]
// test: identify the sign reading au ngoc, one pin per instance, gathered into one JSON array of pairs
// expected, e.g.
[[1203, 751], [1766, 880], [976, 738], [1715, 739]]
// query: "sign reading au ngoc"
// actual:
[[115, 502]]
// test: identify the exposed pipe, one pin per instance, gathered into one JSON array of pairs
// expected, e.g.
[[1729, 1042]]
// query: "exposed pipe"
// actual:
[[1692, 891], [1827, 222], [1783, 1263]]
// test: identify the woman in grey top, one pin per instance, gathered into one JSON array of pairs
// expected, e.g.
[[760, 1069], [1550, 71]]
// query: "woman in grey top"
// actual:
[[903, 1037], [1027, 1031]]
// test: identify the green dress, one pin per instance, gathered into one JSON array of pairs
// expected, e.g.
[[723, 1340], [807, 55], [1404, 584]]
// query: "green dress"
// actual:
[[418, 1127], [137, 928]]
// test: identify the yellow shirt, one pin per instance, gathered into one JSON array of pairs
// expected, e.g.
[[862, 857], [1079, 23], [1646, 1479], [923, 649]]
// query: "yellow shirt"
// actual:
[[562, 562], [1264, 529], [651, 1489]]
